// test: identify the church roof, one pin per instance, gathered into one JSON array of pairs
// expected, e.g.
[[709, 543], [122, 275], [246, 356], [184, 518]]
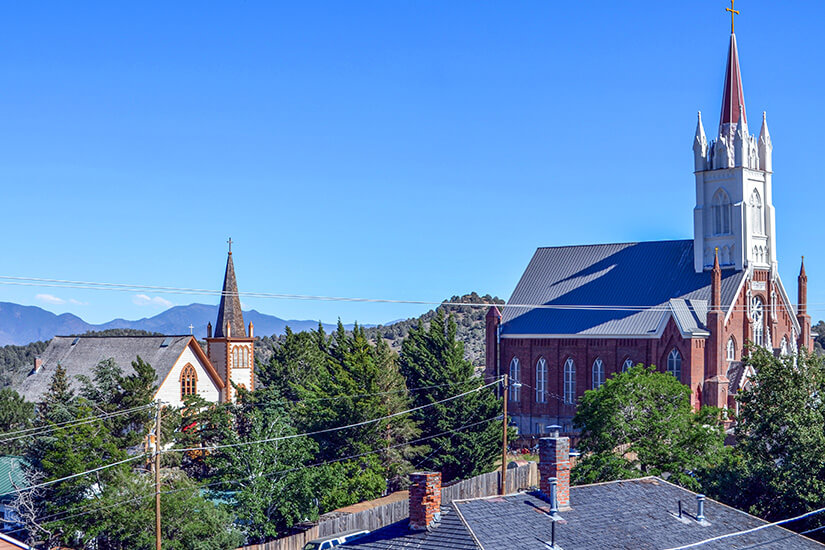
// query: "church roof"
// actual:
[[229, 310], [733, 96], [80, 354], [618, 290]]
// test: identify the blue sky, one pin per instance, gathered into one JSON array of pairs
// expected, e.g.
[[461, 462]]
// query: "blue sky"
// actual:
[[406, 150]]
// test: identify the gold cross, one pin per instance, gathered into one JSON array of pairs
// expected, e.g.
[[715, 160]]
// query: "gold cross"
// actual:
[[733, 13]]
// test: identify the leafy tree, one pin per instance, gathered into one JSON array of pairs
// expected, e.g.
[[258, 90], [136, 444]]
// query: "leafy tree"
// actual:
[[432, 357], [265, 482], [641, 422], [15, 414], [777, 468]]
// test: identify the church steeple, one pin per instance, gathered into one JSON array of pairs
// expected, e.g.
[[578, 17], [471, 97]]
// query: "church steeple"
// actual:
[[229, 310], [733, 97]]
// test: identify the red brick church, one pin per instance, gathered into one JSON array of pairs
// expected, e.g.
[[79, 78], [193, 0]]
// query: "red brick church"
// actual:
[[582, 313]]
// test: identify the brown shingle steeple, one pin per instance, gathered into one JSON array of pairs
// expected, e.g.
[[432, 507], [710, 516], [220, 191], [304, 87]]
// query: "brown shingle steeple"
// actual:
[[229, 310]]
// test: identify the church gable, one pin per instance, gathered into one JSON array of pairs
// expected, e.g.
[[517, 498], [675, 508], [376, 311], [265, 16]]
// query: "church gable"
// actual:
[[191, 373]]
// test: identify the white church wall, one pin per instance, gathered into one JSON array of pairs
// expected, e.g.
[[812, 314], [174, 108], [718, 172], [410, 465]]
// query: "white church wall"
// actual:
[[169, 391]]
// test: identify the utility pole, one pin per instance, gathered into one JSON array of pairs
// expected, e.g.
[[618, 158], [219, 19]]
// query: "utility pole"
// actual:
[[157, 479], [503, 488]]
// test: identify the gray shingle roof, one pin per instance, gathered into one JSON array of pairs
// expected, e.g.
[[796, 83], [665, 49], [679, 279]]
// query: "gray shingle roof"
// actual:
[[656, 273], [81, 357], [449, 534], [633, 515]]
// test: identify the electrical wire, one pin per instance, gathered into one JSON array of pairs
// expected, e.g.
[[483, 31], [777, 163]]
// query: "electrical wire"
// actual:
[[328, 430], [32, 432], [746, 531], [121, 287], [52, 517]]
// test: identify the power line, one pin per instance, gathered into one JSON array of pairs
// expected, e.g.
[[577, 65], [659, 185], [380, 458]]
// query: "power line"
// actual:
[[121, 287], [745, 532], [32, 432], [52, 517], [328, 430]]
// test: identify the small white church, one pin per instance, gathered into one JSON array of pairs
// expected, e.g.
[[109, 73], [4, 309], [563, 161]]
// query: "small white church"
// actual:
[[182, 366]]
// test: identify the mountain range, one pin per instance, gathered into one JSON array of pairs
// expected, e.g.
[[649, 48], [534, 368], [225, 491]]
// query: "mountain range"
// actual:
[[20, 325]]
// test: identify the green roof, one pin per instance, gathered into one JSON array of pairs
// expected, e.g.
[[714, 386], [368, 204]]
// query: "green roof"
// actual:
[[12, 475]]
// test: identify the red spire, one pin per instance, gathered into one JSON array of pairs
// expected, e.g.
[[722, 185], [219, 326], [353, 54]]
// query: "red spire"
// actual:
[[716, 284], [733, 95]]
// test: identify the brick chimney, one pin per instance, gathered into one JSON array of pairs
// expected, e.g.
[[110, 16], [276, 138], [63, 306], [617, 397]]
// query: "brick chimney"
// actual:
[[425, 499], [554, 464]]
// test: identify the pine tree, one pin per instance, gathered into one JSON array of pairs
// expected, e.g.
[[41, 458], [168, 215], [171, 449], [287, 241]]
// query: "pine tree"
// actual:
[[432, 357]]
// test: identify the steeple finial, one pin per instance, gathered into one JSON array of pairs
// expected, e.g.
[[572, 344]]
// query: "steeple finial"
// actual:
[[733, 13], [716, 283], [230, 244]]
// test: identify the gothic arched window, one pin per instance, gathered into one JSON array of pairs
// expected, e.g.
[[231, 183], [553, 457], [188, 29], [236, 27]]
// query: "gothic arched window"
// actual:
[[541, 381], [515, 374], [188, 381], [731, 350], [756, 213], [758, 321], [674, 363], [235, 356], [598, 374], [569, 382], [628, 363], [721, 213]]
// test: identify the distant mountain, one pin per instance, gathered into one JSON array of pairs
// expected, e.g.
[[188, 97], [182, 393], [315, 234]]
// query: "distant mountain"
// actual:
[[20, 325]]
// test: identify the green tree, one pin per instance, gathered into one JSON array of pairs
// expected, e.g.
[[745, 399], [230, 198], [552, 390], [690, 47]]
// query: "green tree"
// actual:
[[641, 422], [15, 414], [432, 357], [777, 468], [266, 483]]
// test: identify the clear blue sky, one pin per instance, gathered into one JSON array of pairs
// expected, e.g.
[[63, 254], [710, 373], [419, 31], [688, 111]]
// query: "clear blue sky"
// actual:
[[409, 150]]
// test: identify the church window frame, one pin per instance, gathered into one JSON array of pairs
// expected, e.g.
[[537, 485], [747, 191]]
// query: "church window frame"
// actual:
[[721, 209], [674, 363], [541, 381], [757, 219], [731, 349], [627, 364], [757, 317], [513, 383], [598, 373], [569, 381], [188, 381]]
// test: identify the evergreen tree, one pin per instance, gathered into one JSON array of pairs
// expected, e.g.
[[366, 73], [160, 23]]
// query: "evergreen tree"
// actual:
[[433, 357], [15, 414]]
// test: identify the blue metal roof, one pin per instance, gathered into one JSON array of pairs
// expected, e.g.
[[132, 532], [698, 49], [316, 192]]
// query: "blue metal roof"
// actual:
[[656, 274]]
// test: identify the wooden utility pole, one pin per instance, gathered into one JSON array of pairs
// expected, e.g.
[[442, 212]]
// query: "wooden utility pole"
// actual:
[[503, 488], [157, 479]]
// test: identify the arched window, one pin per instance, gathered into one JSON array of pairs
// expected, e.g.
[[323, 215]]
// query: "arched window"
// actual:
[[721, 213], [235, 358], [674, 363], [757, 321], [188, 381], [515, 374], [756, 213], [598, 374], [628, 363], [541, 381], [569, 382], [731, 350]]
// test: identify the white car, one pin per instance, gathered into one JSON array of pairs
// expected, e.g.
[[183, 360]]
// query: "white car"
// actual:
[[324, 543]]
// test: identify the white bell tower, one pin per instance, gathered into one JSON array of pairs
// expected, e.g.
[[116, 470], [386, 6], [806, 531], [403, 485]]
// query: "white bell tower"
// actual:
[[734, 201]]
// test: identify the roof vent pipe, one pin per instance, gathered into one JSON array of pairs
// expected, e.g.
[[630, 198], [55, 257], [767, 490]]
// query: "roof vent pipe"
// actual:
[[700, 508]]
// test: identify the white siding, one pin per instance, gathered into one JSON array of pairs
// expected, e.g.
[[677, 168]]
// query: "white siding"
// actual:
[[169, 391]]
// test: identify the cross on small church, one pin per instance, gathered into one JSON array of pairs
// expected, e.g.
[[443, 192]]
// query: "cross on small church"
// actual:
[[230, 238], [733, 13], [191, 328]]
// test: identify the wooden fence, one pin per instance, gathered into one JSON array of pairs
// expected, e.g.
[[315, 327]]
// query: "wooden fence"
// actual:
[[484, 485]]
